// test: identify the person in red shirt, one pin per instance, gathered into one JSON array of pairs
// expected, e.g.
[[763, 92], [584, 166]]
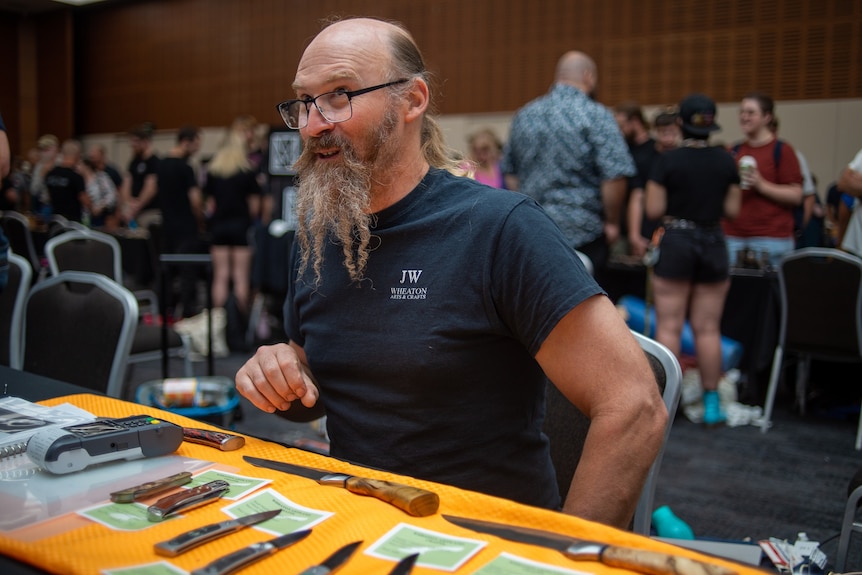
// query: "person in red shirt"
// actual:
[[771, 187]]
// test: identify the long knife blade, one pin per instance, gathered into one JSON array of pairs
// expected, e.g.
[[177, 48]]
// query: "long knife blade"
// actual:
[[640, 560], [248, 555], [405, 566], [334, 561], [185, 541], [415, 501]]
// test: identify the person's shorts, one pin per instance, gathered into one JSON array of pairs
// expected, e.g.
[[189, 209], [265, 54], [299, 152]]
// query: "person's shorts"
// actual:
[[698, 255], [229, 233]]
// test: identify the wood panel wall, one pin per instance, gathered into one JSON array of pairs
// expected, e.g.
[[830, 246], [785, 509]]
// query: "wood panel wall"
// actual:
[[205, 61]]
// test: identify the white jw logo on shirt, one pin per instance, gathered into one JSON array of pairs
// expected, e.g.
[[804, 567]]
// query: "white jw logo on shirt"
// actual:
[[412, 277]]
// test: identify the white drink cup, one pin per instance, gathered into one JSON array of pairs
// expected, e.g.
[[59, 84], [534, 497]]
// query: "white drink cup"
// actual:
[[747, 164]]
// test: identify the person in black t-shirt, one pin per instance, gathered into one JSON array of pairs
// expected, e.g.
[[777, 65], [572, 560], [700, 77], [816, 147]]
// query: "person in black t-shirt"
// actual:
[[140, 184], [692, 188], [66, 187], [181, 204]]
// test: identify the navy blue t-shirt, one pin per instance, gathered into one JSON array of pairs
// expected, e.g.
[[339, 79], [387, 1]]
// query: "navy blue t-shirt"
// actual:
[[427, 368]]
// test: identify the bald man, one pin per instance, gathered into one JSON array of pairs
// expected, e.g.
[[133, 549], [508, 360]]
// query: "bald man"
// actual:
[[566, 151], [426, 309]]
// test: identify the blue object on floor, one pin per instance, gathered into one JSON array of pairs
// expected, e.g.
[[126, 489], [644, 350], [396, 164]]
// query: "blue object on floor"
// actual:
[[731, 350], [667, 524]]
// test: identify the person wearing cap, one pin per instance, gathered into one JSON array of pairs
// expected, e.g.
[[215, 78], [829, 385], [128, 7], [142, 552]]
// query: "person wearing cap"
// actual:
[[565, 151], [770, 190], [692, 188]]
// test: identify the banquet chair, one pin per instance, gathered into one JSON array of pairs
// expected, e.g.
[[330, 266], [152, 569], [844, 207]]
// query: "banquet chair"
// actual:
[[11, 310], [78, 327], [567, 427], [821, 317], [588, 263], [98, 252], [16, 226], [849, 526]]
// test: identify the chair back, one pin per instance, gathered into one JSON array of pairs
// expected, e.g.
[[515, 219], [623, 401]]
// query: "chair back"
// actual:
[[16, 226], [12, 310], [86, 251], [821, 303], [78, 328], [567, 427]]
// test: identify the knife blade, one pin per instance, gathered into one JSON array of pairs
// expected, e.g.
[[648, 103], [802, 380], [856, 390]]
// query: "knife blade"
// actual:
[[405, 566], [150, 488], [185, 541], [248, 555], [188, 499], [640, 560], [415, 501], [334, 561]]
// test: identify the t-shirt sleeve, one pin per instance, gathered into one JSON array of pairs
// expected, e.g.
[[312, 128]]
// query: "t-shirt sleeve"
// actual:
[[536, 277]]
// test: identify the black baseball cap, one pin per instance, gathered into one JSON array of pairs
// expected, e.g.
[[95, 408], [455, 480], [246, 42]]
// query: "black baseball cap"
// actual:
[[697, 112]]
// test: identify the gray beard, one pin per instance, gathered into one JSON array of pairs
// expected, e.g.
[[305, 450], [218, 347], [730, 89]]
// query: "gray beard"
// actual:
[[333, 200]]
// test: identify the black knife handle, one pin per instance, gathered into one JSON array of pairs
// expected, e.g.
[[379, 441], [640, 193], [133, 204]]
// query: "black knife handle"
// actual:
[[185, 541], [233, 561]]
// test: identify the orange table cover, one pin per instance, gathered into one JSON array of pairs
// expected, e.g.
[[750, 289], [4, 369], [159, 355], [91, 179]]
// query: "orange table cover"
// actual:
[[91, 547]]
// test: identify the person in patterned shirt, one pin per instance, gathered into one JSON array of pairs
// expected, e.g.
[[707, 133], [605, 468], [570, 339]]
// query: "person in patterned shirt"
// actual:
[[566, 151]]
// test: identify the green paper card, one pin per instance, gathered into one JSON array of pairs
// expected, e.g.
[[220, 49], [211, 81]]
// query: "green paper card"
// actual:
[[158, 568], [293, 517], [507, 564], [436, 550], [119, 516], [240, 485]]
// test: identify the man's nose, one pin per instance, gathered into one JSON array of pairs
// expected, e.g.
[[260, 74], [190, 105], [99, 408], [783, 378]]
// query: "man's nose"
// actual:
[[317, 124]]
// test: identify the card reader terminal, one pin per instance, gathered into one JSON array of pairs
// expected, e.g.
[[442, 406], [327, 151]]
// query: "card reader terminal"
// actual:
[[75, 447]]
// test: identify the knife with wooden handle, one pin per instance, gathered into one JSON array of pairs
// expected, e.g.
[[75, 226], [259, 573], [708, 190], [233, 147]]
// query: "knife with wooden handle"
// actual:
[[639, 560], [187, 499], [150, 488], [415, 501]]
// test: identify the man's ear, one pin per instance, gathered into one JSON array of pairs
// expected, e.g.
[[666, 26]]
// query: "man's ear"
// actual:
[[417, 100]]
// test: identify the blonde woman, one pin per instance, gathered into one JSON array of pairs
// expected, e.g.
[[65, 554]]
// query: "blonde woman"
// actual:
[[233, 202]]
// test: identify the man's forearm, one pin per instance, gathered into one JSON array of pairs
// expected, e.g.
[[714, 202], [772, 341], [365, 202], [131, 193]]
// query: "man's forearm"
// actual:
[[611, 474], [613, 194]]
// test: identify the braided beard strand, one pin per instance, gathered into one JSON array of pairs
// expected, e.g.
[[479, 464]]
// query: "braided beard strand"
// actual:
[[333, 200]]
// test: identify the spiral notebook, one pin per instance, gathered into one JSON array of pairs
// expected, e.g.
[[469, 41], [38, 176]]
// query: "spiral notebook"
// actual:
[[20, 419]]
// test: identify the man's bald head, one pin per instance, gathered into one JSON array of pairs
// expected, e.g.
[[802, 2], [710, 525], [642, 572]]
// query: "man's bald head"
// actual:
[[578, 70]]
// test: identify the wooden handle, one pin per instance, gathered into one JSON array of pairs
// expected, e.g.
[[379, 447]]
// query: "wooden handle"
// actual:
[[654, 563], [413, 500]]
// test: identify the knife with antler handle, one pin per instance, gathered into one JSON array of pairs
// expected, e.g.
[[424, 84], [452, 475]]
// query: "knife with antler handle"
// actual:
[[187, 499], [415, 501], [639, 560]]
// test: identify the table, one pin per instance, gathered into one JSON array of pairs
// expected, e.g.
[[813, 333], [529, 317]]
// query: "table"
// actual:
[[86, 547]]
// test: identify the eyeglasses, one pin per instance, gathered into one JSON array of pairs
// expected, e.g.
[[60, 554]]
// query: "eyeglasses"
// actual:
[[334, 106]]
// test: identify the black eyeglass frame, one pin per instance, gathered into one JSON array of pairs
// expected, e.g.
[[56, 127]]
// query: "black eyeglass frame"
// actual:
[[350, 95]]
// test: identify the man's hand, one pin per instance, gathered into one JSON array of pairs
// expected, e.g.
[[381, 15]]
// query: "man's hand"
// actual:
[[276, 376]]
